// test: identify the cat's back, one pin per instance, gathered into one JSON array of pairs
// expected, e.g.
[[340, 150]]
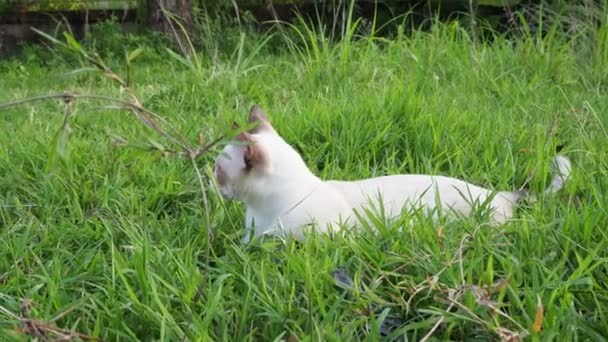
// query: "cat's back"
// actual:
[[401, 184], [397, 190]]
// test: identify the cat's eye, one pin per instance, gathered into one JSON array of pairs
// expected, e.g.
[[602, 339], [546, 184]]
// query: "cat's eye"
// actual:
[[226, 155]]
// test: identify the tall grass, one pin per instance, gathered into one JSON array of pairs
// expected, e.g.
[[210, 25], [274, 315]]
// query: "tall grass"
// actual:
[[109, 243]]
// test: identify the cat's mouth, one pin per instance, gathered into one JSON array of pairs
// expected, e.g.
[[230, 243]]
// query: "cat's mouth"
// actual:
[[220, 190], [215, 187]]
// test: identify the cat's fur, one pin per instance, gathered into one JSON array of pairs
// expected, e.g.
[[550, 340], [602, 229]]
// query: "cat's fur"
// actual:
[[283, 196]]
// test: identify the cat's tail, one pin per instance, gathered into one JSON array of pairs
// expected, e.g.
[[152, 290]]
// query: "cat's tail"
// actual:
[[561, 167]]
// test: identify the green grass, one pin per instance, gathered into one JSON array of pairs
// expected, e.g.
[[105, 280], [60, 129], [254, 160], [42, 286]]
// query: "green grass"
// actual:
[[111, 242]]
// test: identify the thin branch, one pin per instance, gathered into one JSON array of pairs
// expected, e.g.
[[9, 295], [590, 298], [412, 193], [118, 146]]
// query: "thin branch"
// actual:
[[202, 150], [68, 101], [209, 233], [30, 100], [168, 17], [144, 114], [40, 330]]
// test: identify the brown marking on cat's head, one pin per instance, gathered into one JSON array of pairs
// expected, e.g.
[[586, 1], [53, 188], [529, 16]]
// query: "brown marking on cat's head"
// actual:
[[254, 154]]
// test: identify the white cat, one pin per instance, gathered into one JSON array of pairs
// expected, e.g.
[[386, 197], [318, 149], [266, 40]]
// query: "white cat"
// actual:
[[283, 196]]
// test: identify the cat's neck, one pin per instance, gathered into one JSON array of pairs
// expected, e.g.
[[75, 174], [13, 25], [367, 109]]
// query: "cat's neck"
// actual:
[[278, 194]]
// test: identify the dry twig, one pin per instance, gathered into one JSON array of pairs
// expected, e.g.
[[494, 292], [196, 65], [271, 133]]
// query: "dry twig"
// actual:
[[43, 331]]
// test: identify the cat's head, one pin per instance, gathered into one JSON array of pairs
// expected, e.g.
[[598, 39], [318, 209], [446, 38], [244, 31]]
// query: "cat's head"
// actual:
[[257, 162]]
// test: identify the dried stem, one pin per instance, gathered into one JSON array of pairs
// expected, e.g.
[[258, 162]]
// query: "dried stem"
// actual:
[[41, 330], [209, 233], [68, 101], [144, 114]]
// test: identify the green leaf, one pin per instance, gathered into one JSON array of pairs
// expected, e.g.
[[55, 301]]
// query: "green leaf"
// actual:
[[134, 54], [58, 148], [157, 145], [72, 42], [49, 37], [179, 58], [62, 142], [231, 132], [489, 276], [213, 301], [81, 70]]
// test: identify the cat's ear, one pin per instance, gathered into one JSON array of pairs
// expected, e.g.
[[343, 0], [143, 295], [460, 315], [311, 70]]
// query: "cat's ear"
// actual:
[[254, 156], [257, 116]]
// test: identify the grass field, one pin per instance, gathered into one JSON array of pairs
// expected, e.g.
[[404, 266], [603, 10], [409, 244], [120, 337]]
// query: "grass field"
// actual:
[[111, 241]]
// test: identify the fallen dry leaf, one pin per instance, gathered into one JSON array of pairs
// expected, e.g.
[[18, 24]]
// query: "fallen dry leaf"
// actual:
[[440, 236], [507, 335], [538, 318]]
